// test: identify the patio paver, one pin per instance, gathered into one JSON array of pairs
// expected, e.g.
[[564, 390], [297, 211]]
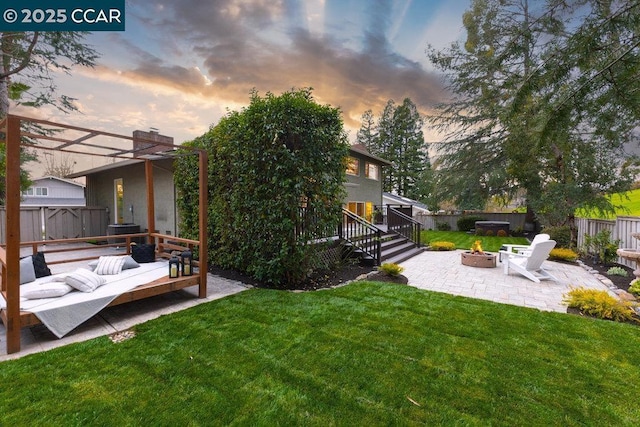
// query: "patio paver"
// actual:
[[443, 272]]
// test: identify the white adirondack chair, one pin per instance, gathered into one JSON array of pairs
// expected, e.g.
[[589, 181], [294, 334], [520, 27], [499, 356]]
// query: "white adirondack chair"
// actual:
[[527, 248], [529, 263]]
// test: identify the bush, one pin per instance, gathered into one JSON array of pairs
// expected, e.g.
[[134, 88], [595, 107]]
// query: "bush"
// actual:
[[489, 233], [561, 234], [563, 254], [617, 271], [466, 223], [391, 269], [442, 246], [443, 226], [601, 246], [479, 232], [599, 304], [502, 233], [634, 288]]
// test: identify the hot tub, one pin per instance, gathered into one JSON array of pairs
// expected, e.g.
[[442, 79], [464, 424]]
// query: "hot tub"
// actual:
[[494, 226], [117, 229]]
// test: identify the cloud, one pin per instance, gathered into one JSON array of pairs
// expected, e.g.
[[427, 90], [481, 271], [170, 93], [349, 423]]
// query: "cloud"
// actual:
[[235, 46]]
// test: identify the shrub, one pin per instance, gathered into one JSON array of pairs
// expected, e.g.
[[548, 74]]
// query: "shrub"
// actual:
[[489, 233], [442, 246], [391, 269], [617, 271], [479, 232], [601, 246], [502, 233], [466, 223], [443, 226], [634, 288], [599, 304], [561, 234], [563, 254]]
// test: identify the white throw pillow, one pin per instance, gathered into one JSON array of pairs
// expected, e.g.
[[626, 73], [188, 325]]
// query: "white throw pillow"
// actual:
[[129, 262], [27, 271], [85, 280], [109, 265], [47, 290]]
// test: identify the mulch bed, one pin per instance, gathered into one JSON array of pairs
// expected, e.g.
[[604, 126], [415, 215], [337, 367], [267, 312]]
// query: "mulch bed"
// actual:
[[620, 282], [320, 280]]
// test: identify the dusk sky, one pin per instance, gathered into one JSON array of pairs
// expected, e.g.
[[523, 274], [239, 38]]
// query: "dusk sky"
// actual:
[[182, 64]]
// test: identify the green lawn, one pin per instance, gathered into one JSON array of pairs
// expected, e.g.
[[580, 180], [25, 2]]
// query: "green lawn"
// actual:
[[464, 241], [629, 202], [364, 354]]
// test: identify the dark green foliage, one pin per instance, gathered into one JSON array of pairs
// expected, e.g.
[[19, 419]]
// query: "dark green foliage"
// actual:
[[443, 226], [276, 173], [466, 223], [561, 234], [601, 246]]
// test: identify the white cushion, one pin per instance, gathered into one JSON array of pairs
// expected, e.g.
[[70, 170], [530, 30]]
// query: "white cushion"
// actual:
[[109, 265], [85, 280], [129, 262], [27, 271], [46, 290]]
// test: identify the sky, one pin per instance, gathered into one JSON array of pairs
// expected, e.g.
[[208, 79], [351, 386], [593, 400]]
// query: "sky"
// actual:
[[181, 65]]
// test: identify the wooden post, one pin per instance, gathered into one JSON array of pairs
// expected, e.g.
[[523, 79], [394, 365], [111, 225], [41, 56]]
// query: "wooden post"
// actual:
[[202, 218], [12, 176], [151, 205]]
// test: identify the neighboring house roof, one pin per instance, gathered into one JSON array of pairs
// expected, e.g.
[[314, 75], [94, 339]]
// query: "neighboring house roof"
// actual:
[[362, 150], [68, 181], [401, 200]]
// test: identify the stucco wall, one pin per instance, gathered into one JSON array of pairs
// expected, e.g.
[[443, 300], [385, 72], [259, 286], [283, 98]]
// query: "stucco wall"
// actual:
[[362, 189], [100, 192]]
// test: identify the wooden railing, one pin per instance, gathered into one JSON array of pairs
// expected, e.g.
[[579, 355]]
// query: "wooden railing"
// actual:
[[403, 224], [361, 234]]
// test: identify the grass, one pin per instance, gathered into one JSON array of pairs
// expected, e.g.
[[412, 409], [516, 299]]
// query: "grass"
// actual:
[[628, 202], [364, 354], [463, 240]]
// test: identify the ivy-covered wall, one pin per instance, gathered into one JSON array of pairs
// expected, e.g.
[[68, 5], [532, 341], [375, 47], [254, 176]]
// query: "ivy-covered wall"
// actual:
[[266, 162]]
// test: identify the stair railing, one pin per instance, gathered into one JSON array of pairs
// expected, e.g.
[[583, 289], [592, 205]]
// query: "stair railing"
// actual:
[[361, 234], [403, 224]]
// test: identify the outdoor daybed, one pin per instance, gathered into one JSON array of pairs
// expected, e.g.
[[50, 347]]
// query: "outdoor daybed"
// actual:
[[61, 314]]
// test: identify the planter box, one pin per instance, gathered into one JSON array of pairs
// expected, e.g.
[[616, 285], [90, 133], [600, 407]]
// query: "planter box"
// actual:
[[478, 260]]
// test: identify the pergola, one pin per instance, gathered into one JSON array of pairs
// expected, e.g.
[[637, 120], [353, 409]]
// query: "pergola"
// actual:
[[21, 133]]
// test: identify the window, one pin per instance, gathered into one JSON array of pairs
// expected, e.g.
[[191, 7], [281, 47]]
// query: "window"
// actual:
[[371, 171], [353, 166], [36, 191], [118, 196]]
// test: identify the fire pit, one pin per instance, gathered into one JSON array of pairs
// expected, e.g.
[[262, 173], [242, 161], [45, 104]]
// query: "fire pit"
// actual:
[[476, 257]]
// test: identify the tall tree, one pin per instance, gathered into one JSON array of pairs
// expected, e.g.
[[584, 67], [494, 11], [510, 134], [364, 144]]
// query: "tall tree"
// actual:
[[510, 123], [398, 137], [28, 61]]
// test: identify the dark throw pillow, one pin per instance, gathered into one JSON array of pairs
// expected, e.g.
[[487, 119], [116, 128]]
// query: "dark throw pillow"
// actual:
[[144, 253], [40, 265]]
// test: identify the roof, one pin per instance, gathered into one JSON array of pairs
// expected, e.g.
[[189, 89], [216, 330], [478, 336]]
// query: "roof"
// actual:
[[107, 167], [405, 200], [68, 181], [362, 150]]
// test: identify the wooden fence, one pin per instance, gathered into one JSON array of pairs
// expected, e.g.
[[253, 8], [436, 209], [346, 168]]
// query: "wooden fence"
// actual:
[[43, 223], [431, 221], [620, 228]]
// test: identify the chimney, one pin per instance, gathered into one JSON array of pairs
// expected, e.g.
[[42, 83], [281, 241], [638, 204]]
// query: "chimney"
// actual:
[[143, 142]]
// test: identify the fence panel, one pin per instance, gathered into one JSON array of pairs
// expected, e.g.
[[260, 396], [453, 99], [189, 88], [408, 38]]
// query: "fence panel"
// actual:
[[622, 228], [431, 221], [57, 223]]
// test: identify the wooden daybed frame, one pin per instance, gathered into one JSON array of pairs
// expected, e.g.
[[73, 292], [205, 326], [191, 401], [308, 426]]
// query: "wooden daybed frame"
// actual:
[[15, 138]]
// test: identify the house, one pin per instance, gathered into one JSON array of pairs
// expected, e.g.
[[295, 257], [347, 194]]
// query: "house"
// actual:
[[51, 191], [364, 181], [120, 187]]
